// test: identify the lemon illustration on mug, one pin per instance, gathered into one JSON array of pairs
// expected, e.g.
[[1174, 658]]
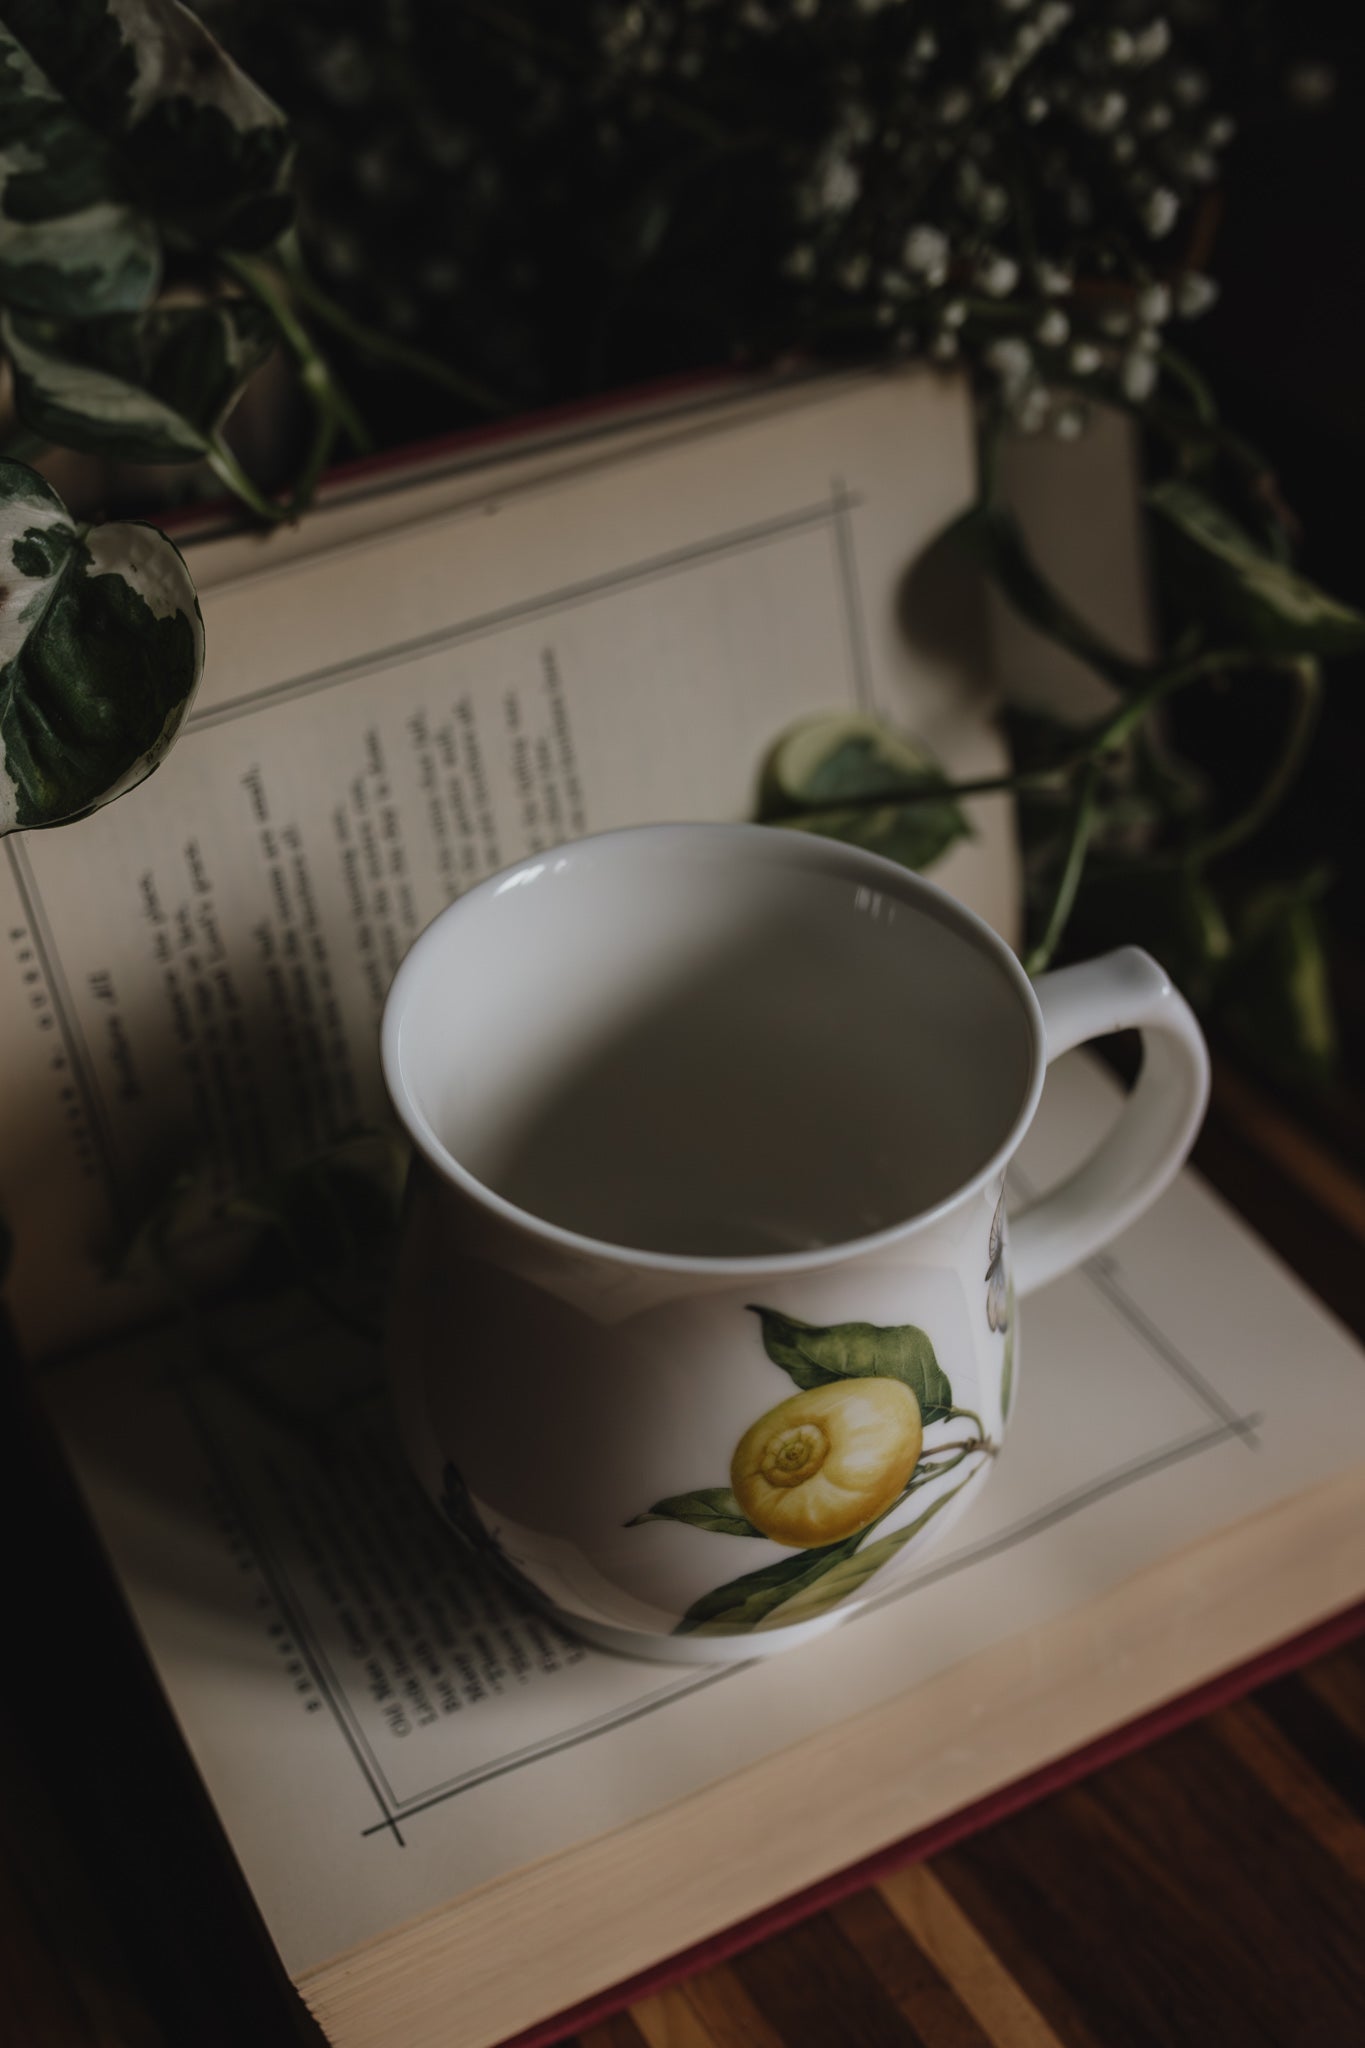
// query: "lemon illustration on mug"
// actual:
[[817, 1472], [822, 1464]]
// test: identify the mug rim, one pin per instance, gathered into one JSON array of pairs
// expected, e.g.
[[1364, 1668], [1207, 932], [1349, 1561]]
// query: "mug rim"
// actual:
[[830, 856]]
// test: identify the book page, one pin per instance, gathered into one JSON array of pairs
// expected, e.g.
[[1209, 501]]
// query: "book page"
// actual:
[[193, 977], [382, 1727]]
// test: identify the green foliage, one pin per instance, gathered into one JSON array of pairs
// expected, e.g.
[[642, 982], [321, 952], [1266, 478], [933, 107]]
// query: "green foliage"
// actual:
[[101, 647], [144, 387], [709, 1507], [803, 1587], [845, 776], [1228, 582], [814, 1356]]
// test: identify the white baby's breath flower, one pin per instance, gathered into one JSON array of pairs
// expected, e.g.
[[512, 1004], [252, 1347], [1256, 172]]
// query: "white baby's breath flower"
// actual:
[[1084, 359], [1118, 46], [1194, 294], [1069, 422], [1152, 42], [1036, 108], [954, 313], [800, 261], [995, 77], [1053, 17], [925, 249], [992, 204], [839, 185], [997, 274], [1101, 112], [1160, 210], [1012, 361], [1054, 279], [1137, 377], [1156, 118], [944, 346], [1190, 87], [954, 106], [1053, 329], [1220, 131], [1311, 84], [1030, 410], [1154, 304], [854, 273]]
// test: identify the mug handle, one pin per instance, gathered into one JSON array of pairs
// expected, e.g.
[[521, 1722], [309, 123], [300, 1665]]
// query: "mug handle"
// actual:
[[1156, 1127]]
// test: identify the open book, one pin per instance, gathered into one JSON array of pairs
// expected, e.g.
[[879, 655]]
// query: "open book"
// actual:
[[453, 1817], [418, 687]]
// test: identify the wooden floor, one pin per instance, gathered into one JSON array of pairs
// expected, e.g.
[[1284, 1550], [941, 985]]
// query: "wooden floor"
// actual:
[[1209, 1890]]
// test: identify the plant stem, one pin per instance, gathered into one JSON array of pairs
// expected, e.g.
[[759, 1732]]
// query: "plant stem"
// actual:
[[322, 387], [1069, 881], [1307, 676], [229, 471], [384, 349]]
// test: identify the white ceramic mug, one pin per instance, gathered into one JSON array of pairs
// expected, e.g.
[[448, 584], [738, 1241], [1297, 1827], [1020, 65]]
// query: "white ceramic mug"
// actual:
[[705, 1308]]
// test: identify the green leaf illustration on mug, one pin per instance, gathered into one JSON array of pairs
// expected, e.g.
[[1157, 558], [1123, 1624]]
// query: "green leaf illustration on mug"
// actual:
[[818, 1471], [813, 1355], [1007, 1363]]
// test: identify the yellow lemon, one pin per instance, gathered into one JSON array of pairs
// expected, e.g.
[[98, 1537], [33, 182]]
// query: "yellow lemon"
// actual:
[[827, 1462]]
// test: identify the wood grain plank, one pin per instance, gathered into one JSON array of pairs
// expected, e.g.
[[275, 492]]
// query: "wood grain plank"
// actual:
[[1186, 1875], [669, 2020], [1338, 1681], [1320, 1736], [998, 1894], [816, 1992], [907, 1975], [1287, 1773], [944, 1932], [727, 2011], [620, 2031]]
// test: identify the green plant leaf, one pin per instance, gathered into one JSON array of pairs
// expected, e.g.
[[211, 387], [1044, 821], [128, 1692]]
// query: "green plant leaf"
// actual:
[[710, 1507], [1226, 577], [71, 240], [190, 141], [101, 647], [824, 773], [844, 1576], [812, 1355], [798, 1587], [914, 835], [741, 1604], [1173, 911], [142, 387], [1276, 994], [992, 536]]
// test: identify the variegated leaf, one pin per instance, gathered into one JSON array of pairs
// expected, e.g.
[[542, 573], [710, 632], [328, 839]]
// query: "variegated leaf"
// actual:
[[101, 646], [145, 387], [160, 129], [70, 244], [845, 776], [1230, 579]]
